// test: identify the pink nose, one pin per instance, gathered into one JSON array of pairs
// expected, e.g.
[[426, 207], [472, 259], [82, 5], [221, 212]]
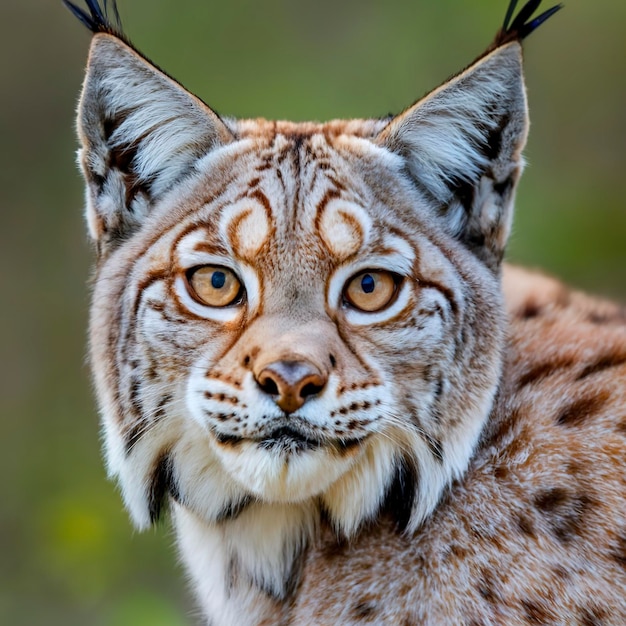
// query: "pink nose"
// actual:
[[291, 383]]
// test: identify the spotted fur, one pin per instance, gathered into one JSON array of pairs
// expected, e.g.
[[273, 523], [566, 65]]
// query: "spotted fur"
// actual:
[[291, 426]]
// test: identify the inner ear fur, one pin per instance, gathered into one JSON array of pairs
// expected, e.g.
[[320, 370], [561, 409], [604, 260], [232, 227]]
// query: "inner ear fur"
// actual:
[[140, 132], [462, 147]]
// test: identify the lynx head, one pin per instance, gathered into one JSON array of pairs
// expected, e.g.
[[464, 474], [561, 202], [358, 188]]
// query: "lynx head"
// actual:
[[296, 313]]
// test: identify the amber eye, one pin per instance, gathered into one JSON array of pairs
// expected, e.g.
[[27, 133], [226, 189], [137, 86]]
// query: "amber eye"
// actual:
[[371, 290], [215, 286]]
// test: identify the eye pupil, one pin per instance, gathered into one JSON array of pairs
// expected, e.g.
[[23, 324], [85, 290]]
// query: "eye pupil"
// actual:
[[218, 280], [368, 283]]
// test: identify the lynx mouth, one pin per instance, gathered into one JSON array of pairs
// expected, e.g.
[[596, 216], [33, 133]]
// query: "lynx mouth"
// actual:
[[287, 439]]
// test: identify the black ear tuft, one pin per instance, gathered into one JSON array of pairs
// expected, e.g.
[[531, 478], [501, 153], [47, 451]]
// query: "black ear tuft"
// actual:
[[520, 27], [98, 19]]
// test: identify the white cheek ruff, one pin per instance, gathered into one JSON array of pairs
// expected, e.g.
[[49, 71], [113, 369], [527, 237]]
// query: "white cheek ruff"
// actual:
[[358, 495], [275, 477]]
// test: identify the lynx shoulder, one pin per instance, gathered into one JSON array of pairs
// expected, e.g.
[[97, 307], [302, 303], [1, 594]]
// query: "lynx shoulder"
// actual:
[[301, 347]]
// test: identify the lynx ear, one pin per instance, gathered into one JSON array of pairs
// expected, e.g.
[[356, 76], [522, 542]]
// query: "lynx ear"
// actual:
[[140, 133], [462, 146]]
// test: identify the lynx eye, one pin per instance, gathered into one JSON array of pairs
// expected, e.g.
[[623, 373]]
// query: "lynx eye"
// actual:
[[214, 285], [371, 291]]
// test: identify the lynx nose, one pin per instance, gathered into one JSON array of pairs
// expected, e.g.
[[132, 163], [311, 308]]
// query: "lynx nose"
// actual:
[[291, 383]]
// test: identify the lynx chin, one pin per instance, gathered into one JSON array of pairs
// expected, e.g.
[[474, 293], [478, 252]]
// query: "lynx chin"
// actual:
[[305, 346]]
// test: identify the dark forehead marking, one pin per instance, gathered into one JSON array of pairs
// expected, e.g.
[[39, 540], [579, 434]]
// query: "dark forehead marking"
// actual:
[[300, 154], [312, 167], [310, 159]]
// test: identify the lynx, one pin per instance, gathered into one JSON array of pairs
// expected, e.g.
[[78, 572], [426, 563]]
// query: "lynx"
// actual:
[[306, 347]]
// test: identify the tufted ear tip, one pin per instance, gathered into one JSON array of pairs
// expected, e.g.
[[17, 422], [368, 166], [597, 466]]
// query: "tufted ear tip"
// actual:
[[97, 17], [518, 28]]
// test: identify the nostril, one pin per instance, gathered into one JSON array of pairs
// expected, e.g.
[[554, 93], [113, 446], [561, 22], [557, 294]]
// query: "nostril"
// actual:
[[310, 389], [333, 360], [268, 385]]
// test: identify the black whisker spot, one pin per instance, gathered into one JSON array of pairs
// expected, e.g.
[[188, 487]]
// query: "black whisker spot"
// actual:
[[228, 440]]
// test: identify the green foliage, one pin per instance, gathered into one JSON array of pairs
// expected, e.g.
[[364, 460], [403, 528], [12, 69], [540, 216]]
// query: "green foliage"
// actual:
[[69, 556]]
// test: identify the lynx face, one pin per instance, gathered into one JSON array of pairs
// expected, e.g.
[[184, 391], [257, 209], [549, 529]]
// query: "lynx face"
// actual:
[[292, 315]]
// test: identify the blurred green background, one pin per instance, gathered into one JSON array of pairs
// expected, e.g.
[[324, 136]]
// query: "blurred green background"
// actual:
[[67, 552]]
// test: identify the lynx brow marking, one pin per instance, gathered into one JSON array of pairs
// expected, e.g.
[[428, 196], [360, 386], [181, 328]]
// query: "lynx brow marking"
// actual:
[[199, 238], [343, 228], [247, 225], [330, 194]]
